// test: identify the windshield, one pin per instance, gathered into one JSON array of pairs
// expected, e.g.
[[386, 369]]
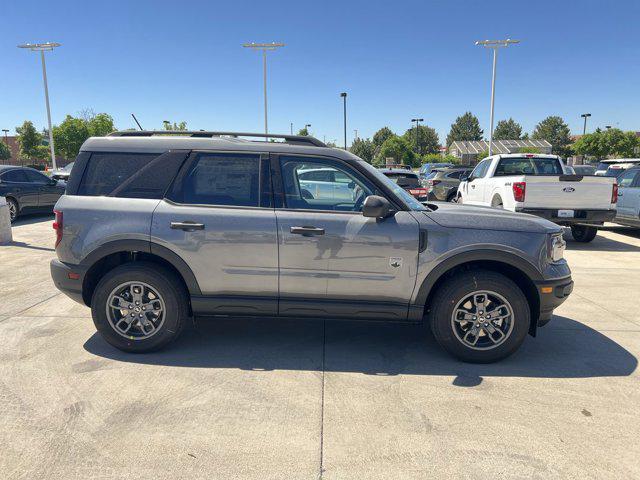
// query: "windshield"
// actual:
[[528, 166], [68, 168], [614, 171], [603, 166], [399, 191]]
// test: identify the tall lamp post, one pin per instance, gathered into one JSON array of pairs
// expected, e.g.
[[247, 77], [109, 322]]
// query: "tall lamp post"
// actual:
[[344, 98], [264, 47], [494, 45], [43, 47], [584, 128], [6, 140], [417, 122], [307, 128]]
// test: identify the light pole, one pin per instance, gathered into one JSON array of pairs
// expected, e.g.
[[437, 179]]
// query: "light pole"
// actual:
[[494, 45], [43, 47], [6, 140], [291, 128], [306, 127], [264, 47], [344, 98], [585, 116], [417, 122], [355, 133]]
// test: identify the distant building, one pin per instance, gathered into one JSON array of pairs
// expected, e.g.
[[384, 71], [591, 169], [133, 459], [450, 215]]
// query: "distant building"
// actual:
[[468, 150]]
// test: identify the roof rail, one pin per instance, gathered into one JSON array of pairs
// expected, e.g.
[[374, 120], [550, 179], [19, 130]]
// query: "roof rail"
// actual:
[[291, 139]]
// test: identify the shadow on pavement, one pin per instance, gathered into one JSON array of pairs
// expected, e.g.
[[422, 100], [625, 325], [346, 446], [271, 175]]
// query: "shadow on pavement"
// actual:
[[569, 349], [30, 219], [602, 244], [26, 245]]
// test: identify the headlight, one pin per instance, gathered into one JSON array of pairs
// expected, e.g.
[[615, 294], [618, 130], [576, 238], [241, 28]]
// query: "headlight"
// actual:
[[555, 247]]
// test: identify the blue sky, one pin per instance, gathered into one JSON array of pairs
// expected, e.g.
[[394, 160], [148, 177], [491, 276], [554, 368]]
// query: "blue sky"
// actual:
[[397, 60]]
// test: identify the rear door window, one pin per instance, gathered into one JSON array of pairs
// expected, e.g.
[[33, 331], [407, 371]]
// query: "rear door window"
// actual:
[[106, 171], [15, 176], [37, 177], [627, 179]]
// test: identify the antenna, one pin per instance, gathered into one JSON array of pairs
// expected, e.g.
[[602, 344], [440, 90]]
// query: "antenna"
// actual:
[[139, 126]]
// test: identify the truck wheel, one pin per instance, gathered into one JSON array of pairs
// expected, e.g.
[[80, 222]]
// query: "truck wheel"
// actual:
[[497, 202], [583, 233], [452, 198], [139, 307], [459, 199], [480, 316]]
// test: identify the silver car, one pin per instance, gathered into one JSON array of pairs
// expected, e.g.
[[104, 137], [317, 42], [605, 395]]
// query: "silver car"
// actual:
[[156, 228]]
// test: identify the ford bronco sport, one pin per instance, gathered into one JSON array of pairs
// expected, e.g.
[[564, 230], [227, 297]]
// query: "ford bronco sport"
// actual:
[[157, 227]]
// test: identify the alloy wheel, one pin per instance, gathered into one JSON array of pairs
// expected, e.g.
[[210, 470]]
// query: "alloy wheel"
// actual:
[[135, 310]]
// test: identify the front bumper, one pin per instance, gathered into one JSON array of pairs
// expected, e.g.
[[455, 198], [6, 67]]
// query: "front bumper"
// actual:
[[68, 279], [552, 294], [589, 217]]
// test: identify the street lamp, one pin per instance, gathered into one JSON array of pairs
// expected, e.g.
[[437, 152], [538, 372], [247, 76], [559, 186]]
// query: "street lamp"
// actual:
[[307, 128], [417, 122], [6, 140], [43, 47], [344, 98], [494, 45], [264, 47], [585, 116], [607, 127]]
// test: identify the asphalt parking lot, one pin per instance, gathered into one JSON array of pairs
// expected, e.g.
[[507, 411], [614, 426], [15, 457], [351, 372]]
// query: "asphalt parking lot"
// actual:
[[287, 399]]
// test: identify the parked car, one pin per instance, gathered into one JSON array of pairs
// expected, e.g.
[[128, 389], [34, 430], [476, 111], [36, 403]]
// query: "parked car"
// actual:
[[443, 185], [583, 169], [602, 167], [407, 180], [27, 190], [62, 173], [628, 211], [617, 169], [426, 169], [540, 185], [205, 225]]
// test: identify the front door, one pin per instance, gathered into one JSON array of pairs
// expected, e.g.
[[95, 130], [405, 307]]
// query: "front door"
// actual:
[[25, 191], [48, 190], [628, 193], [219, 219], [334, 261]]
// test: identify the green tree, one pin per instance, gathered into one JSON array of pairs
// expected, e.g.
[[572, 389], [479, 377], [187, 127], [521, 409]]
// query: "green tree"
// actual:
[[466, 127], [304, 132], [182, 126], [397, 149], [427, 139], [507, 130], [381, 136], [529, 150], [364, 149], [437, 158], [482, 155], [30, 142], [69, 136], [100, 125], [556, 132], [5, 153], [609, 143]]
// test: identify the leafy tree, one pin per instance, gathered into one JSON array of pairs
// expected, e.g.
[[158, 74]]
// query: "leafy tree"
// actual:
[[482, 155], [437, 158], [427, 139], [609, 143], [556, 132], [303, 132], [5, 153], [381, 136], [529, 150], [182, 126], [70, 135], [507, 130], [364, 149], [399, 150], [30, 142], [100, 125], [466, 127]]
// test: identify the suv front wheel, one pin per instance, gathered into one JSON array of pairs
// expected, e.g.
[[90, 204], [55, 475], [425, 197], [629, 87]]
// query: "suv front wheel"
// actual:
[[480, 316], [139, 307]]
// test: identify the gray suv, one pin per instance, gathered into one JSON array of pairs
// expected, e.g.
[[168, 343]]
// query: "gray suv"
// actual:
[[158, 227]]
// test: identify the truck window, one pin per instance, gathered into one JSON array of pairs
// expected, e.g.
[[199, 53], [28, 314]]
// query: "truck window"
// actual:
[[528, 166]]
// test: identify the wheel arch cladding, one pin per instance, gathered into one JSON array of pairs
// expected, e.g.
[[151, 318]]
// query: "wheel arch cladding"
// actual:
[[517, 269], [110, 255]]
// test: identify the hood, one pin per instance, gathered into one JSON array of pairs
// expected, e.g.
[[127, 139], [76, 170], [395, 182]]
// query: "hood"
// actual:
[[452, 215]]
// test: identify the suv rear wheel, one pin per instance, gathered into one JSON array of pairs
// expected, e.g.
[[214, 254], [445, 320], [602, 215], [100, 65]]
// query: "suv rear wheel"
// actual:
[[480, 316], [139, 307]]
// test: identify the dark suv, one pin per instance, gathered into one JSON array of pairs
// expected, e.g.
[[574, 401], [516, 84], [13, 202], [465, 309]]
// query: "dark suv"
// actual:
[[443, 184], [157, 227]]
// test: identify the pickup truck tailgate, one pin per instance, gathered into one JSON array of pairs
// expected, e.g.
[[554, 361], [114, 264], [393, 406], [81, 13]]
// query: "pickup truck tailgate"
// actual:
[[568, 192]]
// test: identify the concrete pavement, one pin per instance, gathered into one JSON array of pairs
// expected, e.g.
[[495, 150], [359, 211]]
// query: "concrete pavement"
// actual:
[[286, 399]]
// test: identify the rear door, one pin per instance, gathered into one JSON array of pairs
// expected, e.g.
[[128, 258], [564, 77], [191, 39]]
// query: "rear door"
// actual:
[[334, 261], [628, 194], [48, 191], [21, 188], [218, 217]]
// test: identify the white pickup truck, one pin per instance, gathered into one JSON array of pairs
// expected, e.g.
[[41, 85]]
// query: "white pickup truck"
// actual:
[[541, 185]]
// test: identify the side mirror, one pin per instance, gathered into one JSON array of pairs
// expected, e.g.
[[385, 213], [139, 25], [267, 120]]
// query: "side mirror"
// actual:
[[465, 178], [376, 207]]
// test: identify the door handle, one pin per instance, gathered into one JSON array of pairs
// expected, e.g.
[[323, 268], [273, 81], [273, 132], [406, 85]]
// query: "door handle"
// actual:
[[473, 186], [187, 226], [307, 231]]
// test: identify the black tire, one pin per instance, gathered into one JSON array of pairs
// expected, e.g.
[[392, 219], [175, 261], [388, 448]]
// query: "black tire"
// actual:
[[162, 280], [13, 207], [452, 198], [459, 199], [459, 287], [583, 233], [497, 202]]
